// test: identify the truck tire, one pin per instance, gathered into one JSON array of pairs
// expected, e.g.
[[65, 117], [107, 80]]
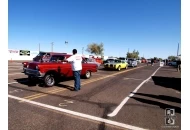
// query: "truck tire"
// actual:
[[49, 80], [87, 74]]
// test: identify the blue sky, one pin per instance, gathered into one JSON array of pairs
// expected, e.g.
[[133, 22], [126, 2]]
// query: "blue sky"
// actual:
[[150, 26]]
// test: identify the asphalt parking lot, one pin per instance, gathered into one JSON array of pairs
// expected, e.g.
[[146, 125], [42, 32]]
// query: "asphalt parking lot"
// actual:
[[135, 98]]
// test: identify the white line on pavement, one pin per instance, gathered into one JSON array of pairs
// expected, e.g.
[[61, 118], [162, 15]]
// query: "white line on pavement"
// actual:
[[16, 69], [15, 66], [134, 78], [128, 97], [17, 82], [13, 83], [15, 73], [94, 118]]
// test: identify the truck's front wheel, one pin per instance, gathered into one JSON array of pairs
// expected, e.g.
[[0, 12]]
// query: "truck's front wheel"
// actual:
[[49, 80]]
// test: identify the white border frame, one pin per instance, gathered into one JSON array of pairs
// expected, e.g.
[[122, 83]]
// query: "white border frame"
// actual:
[[4, 63]]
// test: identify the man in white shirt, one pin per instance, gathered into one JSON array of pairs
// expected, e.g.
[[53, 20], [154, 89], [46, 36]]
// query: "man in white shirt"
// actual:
[[76, 61]]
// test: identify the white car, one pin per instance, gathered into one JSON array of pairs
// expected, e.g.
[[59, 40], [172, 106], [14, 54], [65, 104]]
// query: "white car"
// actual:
[[132, 62], [92, 61]]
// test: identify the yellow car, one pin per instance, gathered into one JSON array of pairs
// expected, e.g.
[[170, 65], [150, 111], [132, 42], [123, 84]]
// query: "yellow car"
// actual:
[[116, 65]]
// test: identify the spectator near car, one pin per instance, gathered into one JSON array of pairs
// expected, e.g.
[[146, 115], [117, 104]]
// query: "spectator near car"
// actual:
[[76, 62]]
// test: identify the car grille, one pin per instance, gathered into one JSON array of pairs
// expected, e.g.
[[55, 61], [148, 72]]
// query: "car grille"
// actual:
[[32, 72]]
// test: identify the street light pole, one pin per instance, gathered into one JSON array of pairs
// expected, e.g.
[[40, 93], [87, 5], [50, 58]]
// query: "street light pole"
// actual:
[[52, 46]]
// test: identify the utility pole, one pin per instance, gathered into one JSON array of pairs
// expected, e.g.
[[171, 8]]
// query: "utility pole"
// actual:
[[82, 50], [52, 46], [39, 47], [178, 50]]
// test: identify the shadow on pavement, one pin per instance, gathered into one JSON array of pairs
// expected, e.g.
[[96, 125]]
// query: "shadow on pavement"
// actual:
[[38, 82], [161, 105], [161, 97], [65, 86], [174, 83]]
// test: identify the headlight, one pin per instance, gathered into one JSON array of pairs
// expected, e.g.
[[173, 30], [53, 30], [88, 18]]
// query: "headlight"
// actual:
[[27, 66], [37, 67]]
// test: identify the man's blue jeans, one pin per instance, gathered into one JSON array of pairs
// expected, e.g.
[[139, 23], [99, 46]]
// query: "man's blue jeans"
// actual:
[[76, 75]]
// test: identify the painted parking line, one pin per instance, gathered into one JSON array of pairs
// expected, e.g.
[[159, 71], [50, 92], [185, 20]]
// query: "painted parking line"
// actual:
[[15, 66], [16, 69], [35, 96], [18, 82], [133, 79], [118, 108], [84, 83], [15, 73], [13, 83], [77, 114]]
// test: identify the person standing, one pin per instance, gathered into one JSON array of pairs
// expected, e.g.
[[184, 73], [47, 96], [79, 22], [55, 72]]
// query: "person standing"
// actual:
[[76, 61], [152, 62], [179, 65]]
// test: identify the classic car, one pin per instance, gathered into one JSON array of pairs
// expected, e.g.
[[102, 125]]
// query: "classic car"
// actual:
[[116, 64], [148, 61], [41, 57], [123, 58], [109, 60], [92, 61], [51, 72], [132, 62]]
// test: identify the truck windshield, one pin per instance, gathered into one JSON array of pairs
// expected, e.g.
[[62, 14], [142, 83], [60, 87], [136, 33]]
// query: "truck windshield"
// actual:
[[57, 58]]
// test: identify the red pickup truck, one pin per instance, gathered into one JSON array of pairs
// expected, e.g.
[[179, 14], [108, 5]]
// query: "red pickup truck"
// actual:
[[41, 57], [50, 72]]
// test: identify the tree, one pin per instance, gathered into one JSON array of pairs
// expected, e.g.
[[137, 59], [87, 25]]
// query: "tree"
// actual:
[[95, 48], [172, 58], [155, 58], [134, 54], [160, 59]]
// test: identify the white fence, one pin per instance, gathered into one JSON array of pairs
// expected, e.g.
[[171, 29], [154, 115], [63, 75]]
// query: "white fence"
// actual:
[[16, 55]]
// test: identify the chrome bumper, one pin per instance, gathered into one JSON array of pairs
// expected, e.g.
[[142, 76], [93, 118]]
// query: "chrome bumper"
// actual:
[[34, 73]]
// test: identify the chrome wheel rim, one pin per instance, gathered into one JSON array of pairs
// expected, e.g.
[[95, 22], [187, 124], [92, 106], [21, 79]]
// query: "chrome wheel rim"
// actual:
[[49, 80]]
